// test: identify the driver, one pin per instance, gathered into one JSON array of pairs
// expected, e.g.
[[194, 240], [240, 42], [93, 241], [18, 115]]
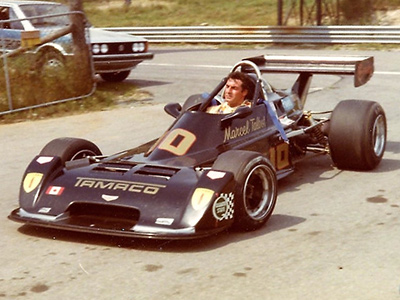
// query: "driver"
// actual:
[[237, 88]]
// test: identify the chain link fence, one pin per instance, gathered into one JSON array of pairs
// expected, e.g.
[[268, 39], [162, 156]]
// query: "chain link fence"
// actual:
[[40, 63]]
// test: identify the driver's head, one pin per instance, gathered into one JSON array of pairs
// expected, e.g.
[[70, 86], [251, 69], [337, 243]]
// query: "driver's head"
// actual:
[[237, 88]]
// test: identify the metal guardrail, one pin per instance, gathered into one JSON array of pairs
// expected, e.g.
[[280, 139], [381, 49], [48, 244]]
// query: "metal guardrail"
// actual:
[[268, 34]]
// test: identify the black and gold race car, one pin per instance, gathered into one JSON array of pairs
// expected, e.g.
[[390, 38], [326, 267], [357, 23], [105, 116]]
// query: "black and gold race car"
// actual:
[[207, 172]]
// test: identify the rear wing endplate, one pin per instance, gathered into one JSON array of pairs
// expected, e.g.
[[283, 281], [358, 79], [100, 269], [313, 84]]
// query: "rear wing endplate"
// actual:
[[362, 67]]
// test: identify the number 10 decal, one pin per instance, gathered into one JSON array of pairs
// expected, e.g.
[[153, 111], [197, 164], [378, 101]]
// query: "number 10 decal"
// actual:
[[178, 141], [279, 156]]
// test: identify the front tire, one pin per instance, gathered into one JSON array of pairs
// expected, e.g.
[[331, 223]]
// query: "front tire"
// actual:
[[255, 188], [357, 134], [70, 149]]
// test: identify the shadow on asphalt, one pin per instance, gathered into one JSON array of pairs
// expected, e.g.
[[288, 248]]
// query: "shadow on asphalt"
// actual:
[[310, 170], [393, 147], [275, 223], [146, 83]]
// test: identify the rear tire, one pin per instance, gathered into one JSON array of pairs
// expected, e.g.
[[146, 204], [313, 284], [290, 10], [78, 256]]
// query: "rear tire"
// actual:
[[255, 188], [357, 134], [115, 76], [70, 149]]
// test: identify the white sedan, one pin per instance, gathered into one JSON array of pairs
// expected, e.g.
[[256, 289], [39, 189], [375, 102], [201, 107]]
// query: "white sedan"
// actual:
[[114, 54]]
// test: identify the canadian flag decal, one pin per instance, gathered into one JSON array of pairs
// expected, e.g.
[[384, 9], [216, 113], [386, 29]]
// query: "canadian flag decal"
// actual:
[[54, 190]]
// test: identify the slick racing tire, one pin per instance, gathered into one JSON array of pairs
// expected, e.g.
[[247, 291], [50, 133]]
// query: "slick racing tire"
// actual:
[[115, 76], [255, 188], [357, 134], [70, 149]]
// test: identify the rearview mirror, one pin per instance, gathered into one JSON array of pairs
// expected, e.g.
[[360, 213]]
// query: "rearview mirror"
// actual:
[[173, 109]]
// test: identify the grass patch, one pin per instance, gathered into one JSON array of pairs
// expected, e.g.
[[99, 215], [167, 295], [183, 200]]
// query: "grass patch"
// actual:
[[107, 96], [181, 13], [34, 82], [113, 13]]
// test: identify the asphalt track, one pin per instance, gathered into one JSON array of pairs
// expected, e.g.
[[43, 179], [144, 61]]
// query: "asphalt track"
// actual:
[[333, 235]]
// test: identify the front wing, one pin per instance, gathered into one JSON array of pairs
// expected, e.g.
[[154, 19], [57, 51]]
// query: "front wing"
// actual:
[[105, 228], [187, 205]]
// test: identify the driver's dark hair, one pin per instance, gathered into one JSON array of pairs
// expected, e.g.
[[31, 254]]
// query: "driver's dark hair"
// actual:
[[247, 82]]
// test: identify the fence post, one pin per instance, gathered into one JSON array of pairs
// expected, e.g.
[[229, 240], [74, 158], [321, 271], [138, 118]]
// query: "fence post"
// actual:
[[80, 45], [78, 28], [6, 75]]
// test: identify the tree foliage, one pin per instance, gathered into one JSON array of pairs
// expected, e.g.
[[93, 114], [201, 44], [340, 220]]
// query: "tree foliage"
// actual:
[[360, 11]]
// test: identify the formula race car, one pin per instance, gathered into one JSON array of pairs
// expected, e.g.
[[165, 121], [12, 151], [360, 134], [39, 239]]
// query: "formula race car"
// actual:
[[207, 172]]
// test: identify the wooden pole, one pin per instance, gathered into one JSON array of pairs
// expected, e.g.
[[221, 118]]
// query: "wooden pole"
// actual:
[[301, 12], [82, 55], [319, 12], [78, 28], [280, 12], [337, 12]]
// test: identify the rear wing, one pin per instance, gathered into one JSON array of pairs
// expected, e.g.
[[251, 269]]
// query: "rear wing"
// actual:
[[362, 67]]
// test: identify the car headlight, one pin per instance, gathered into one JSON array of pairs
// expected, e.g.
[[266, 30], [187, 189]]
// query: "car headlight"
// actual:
[[138, 47], [104, 48], [95, 48]]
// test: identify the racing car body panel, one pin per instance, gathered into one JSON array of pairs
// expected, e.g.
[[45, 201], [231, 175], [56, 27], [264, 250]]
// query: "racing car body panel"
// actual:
[[155, 191], [123, 199], [207, 172], [184, 144]]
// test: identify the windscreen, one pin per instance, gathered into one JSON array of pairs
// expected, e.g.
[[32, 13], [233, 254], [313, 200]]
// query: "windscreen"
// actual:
[[46, 9]]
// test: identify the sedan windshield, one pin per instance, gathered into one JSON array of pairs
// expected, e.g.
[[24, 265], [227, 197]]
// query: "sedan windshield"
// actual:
[[33, 10]]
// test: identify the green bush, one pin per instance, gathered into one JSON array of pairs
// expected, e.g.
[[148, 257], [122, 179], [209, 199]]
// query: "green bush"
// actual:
[[386, 4], [31, 84], [360, 11]]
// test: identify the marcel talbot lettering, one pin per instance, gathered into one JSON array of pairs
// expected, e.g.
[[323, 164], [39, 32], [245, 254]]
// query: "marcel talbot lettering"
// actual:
[[116, 185], [251, 125]]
